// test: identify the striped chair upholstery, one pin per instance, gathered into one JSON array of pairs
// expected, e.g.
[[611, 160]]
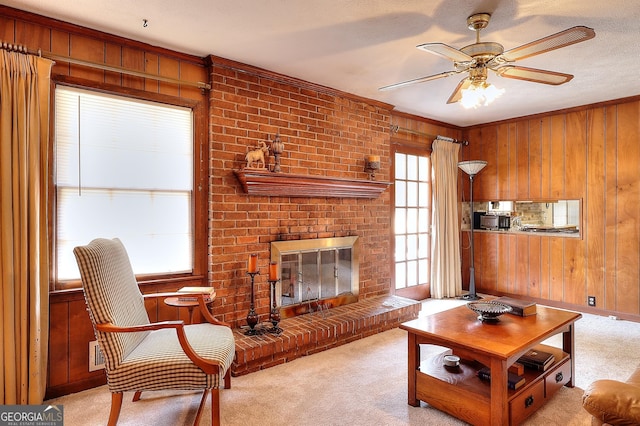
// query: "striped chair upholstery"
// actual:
[[148, 360]]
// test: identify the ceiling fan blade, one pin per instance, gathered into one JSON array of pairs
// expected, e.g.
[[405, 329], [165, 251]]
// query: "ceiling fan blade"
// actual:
[[534, 75], [556, 41], [457, 93], [419, 80], [445, 51]]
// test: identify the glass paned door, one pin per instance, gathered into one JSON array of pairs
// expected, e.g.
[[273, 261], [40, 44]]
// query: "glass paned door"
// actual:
[[412, 224]]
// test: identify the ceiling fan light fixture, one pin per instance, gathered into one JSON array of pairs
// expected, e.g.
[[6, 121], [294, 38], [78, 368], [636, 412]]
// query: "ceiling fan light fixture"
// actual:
[[480, 94]]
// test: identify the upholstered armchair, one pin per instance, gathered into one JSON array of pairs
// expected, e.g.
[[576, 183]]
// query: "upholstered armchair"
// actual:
[[613, 402], [144, 356]]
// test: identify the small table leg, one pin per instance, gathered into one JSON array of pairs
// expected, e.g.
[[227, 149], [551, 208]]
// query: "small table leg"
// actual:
[[413, 358], [569, 346]]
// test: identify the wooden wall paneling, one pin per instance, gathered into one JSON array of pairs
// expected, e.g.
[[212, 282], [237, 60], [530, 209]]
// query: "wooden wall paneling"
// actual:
[[464, 257], [611, 207], [556, 269], [81, 332], [522, 160], [133, 59], [479, 243], [151, 66], [29, 35], [535, 159], [575, 188], [503, 275], [628, 208], [575, 271], [490, 155], [513, 163], [87, 49], [545, 268], [192, 72], [60, 46], [480, 148], [522, 264], [576, 155], [113, 57], [168, 67], [59, 326], [593, 206], [7, 29], [486, 269], [557, 157], [545, 160], [151, 305], [503, 180], [535, 266]]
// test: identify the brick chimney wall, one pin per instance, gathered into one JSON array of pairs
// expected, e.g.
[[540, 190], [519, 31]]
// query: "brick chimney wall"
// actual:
[[325, 132]]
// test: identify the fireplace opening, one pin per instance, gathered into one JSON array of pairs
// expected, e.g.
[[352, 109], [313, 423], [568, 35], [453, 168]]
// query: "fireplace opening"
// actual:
[[316, 274]]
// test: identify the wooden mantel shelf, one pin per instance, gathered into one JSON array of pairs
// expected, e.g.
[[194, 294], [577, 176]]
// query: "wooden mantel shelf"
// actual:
[[261, 182]]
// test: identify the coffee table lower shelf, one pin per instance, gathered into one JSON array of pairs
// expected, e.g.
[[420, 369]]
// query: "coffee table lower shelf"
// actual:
[[459, 391]]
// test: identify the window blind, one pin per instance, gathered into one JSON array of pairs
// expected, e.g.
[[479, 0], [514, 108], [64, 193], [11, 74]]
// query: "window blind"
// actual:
[[123, 168]]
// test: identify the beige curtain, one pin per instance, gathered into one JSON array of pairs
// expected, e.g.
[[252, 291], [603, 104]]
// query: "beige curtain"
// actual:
[[24, 254], [446, 276]]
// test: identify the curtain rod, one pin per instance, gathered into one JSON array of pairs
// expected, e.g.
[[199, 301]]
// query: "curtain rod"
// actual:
[[104, 67], [396, 129]]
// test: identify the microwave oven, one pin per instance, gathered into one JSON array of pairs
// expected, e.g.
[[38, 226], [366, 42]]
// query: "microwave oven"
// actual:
[[495, 222]]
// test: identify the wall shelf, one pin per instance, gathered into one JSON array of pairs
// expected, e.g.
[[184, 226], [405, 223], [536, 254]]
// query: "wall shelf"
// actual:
[[262, 182]]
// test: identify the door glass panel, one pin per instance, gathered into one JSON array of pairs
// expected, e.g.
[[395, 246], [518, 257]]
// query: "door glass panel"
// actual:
[[401, 275], [412, 222]]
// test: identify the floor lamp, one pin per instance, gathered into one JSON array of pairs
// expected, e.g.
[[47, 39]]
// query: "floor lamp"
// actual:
[[471, 168]]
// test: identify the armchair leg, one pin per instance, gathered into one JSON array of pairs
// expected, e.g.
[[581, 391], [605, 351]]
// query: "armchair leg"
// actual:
[[227, 379], [215, 407], [136, 396], [116, 405], [203, 401]]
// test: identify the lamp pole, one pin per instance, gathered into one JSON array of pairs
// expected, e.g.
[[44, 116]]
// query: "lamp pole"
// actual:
[[471, 168]]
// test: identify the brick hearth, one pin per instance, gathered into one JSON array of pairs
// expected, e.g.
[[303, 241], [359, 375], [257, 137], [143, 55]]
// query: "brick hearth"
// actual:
[[311, 333]]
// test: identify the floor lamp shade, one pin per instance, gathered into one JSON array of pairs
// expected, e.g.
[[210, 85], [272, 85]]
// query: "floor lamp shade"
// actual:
[[471, 168]]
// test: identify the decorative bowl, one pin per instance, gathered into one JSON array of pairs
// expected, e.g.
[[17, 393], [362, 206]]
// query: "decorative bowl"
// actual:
[[489, 311]]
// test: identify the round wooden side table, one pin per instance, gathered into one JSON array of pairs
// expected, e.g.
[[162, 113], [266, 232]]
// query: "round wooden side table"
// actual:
[[181, 303]]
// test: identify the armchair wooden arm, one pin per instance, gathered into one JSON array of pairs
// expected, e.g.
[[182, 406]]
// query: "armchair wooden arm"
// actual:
[[207, 366]]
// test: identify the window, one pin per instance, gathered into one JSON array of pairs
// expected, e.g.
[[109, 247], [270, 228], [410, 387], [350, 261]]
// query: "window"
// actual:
[[412, 220], [123, 168]]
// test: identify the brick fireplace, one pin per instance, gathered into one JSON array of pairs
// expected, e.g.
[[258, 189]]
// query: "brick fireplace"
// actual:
[[326, 134]]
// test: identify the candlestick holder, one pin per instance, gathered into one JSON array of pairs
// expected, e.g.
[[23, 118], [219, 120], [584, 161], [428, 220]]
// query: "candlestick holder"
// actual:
[[371, 166], [274, 315], [277, 147], [252, 316]]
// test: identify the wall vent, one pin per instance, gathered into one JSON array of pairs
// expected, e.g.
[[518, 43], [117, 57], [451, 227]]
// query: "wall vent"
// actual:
[[96, 360]]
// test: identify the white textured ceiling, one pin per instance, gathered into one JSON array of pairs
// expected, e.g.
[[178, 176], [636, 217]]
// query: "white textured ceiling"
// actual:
[[358, 46]]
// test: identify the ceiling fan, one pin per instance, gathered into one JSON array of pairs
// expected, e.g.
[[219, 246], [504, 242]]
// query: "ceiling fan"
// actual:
[[479, 57]]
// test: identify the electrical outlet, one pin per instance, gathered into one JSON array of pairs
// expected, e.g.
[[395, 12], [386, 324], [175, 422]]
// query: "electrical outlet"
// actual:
[[591, 300]]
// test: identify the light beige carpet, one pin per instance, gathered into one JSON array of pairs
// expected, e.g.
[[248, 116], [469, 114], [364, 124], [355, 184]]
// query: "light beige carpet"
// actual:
[[361, 383]]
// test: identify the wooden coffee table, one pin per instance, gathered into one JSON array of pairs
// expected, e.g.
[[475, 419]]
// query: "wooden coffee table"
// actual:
[[459, 392]]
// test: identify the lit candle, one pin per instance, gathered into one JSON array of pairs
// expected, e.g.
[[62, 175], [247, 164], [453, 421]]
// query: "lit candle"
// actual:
[[273, 271], [253, 263]]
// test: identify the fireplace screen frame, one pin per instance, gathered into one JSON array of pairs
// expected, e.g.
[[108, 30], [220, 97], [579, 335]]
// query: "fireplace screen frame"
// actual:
[[305, 290]]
